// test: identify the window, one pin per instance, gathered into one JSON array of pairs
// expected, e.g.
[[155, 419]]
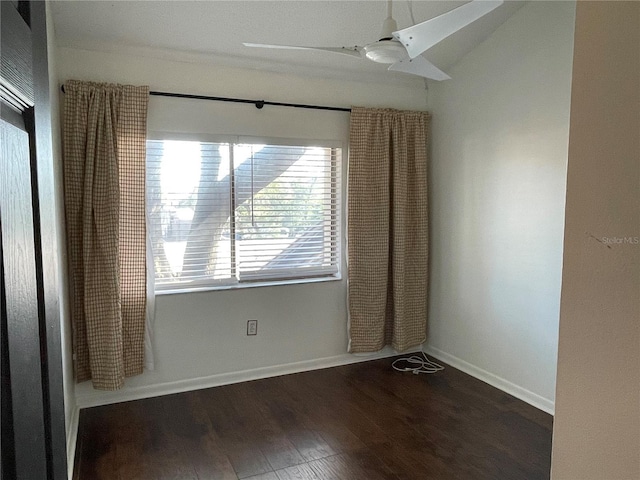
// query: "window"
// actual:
[[224, 214]]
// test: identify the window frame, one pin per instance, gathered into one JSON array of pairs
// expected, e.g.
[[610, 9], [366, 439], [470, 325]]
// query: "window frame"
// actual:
[[340, 210]]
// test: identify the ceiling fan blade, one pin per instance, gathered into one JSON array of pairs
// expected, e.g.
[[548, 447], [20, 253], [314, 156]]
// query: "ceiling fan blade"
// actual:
[[419, 66], [351, 51], [425, 35]]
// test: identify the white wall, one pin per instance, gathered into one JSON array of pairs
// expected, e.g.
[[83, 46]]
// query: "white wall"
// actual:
[[596, 431], [200, 338], [499, 157], [70, 408]]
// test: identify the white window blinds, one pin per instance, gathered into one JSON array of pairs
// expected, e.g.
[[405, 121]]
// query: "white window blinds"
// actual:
[[222, 213]]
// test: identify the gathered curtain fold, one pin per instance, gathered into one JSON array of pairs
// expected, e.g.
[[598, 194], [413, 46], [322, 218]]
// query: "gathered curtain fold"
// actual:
[[104, 187], [387, 229]]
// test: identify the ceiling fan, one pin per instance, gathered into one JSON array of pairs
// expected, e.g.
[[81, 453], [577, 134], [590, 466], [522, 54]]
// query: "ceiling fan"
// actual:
[[402, 49]]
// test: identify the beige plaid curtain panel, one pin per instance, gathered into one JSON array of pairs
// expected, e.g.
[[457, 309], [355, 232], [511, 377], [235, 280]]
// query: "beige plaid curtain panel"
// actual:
[[104, 180], [387, 231]]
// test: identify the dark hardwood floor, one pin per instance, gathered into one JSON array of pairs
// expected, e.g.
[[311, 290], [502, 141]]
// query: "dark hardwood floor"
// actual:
[[363, 421]]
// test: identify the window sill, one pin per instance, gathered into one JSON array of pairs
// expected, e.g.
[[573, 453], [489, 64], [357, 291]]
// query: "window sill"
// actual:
[[241, 286]]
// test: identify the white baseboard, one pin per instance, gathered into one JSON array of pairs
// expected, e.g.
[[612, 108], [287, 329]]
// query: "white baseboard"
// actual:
[[72, 440], [542, 403], [96, 398]]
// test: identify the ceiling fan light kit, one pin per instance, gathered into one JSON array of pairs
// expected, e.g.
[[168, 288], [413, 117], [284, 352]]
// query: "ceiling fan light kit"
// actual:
[[403, 48]]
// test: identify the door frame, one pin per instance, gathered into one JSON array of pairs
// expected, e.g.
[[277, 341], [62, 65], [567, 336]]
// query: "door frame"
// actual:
[[33, 439]]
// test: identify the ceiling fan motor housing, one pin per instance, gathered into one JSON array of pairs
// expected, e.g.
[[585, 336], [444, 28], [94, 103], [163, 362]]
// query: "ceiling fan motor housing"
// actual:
[[385, 51]]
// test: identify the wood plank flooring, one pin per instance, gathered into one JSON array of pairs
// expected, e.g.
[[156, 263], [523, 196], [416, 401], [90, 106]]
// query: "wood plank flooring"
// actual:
[[356, 422]]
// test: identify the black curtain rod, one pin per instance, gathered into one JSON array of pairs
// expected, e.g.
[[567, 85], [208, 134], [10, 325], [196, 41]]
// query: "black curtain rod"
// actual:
[[258, 103]]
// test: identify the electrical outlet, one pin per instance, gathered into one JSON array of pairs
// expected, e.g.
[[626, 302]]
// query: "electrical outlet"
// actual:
[[252, 327]]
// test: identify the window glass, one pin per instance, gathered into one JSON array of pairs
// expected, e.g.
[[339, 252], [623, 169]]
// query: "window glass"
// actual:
[[222, 214]]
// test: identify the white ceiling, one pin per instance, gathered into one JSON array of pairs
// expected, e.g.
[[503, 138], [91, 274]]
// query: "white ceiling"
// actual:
[[213, 31]]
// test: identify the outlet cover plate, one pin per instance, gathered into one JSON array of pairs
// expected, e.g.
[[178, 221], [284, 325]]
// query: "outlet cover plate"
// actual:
[[252, 327]]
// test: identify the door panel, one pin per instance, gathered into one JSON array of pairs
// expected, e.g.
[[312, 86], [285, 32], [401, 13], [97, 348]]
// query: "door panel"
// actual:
[[16, 76], [21, 302]]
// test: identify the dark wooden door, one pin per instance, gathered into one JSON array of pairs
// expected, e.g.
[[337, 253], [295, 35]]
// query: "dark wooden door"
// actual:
[[32, 437]]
